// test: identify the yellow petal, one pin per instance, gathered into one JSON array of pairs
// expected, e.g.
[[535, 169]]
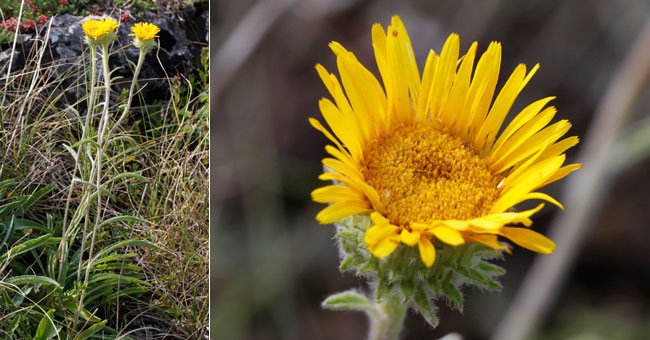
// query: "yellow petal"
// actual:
[[489, 240], [425, 87], [482, 88], [453, 109], [499, 156], [444, 75], [378, 232], [334, 87], [500, 108], [561, 173], [342, 156], [456, 224], [344, 128], [409, 238], [539, 141], [378, 218], [448, 235], [398, 98], [427, 251], [527, 182], [385, 247], [420, 227], [341, 210], [522, 118], [559, 147], [492, 222], [529, 239], [540, 196], [359, 185], [335, 193], [342, 168]]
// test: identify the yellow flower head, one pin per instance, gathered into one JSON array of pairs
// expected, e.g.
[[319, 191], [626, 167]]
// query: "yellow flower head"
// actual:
[[422, 154], [145, 31], [96, 29]]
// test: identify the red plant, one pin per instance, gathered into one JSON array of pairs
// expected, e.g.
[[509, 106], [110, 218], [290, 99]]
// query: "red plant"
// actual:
[[10, 24]]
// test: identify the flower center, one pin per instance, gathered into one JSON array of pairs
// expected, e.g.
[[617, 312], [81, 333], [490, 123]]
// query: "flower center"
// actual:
[[423, 174]]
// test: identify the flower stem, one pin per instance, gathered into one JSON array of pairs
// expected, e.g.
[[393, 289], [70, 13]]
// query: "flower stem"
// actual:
[[63, 247], [387, 319], [98, 166]]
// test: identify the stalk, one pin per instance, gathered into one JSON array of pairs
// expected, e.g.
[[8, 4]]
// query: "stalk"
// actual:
[[91, 104], [387, 320], [98, 166]]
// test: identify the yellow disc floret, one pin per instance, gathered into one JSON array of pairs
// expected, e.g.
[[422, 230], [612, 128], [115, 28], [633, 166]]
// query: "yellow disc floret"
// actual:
[[423, 174]]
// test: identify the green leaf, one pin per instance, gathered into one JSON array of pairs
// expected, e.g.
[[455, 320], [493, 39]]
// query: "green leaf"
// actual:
[[26, 246], [20, 296], [348, 235], [32, 279], [351, 261], [122, 218], [91, 330], [474, 276], [383, 288], [123, 175], [5, 183], [492, 284], [491, 269], [46, 329], [22, 224], [371, 266], [93, 196], [33, 198], [453, 295], [425, 307], [348, 300], [123, 244], [9, 231], [10, 207], [435, 285], [84, 313], [71, 152], [407, 289]]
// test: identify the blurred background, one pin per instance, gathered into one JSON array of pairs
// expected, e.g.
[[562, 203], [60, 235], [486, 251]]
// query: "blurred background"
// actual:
[[272, 264]]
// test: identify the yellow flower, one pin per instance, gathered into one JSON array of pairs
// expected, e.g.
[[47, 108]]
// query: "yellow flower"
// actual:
[[96, 29], [423, 156], [145, 31]]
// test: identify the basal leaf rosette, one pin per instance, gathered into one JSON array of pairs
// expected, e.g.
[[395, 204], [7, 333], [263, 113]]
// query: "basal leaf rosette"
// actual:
[[421, 156]]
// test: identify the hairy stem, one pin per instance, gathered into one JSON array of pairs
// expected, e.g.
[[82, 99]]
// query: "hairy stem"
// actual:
[[98, 166], [63, 249], [387, 319]]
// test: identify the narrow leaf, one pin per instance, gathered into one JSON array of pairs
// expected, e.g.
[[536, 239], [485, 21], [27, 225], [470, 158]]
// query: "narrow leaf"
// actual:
[[425, 307], [351, 261], [407, 289], [46, 328], [32, 279], [91, 330], [453, 295], [26, 246], [383, 288], [348, 300]]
